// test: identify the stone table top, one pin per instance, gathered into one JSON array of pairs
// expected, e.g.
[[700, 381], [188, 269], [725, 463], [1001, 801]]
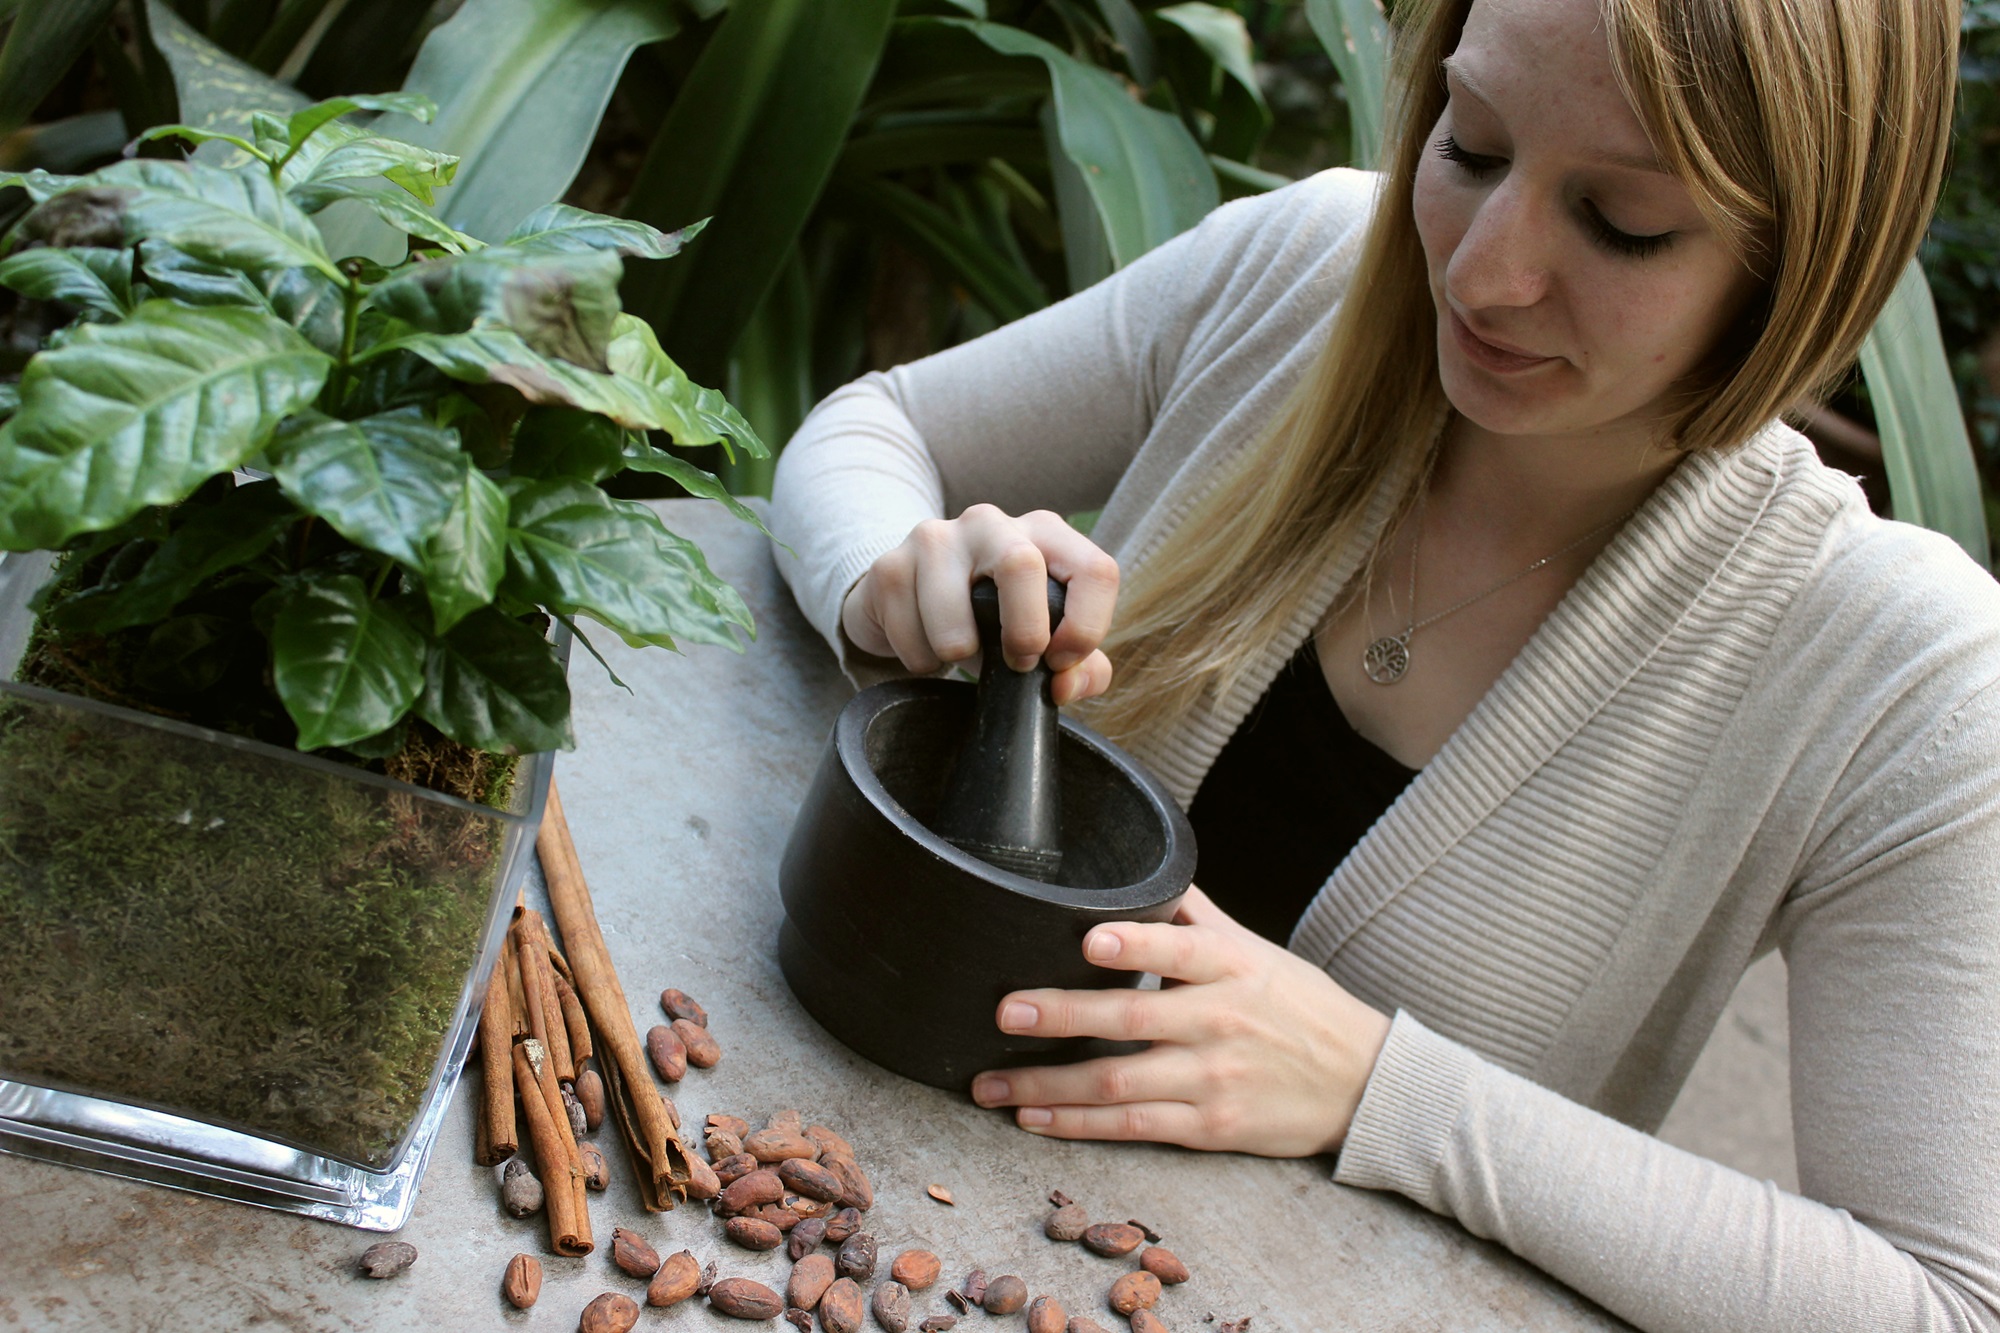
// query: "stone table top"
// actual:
[[680, 794]]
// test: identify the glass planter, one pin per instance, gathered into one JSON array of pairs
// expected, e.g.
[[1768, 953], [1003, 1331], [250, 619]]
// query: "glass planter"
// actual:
[[232, 968]]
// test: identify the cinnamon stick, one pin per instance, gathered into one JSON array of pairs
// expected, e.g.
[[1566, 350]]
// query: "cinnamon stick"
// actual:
[[657, 1150], [573, 1018], [538, 983], [498, 1137], [555, 1151]]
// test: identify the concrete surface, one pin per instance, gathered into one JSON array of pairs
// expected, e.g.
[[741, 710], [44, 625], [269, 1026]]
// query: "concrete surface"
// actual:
[[680, 796]]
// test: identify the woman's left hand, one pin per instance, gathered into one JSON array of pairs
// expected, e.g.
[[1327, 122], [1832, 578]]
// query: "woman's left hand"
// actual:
[[1255, 1050]]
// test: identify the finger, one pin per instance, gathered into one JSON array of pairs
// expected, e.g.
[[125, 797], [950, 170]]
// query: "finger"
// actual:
[[1021, 575], [857, 618], [1146, 1122], [943, 576], [1165, 1073], [1090, 579], [1120, 1014], [896, 611], [1085, 680], [1194, 953]]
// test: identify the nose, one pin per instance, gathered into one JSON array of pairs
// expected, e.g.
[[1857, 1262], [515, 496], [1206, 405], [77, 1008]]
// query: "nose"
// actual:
[[1501, 260]]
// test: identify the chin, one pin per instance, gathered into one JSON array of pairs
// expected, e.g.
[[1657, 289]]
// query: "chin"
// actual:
[[1536, 404]]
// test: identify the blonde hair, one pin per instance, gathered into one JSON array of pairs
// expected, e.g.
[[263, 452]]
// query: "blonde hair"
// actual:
[[1812, 135]]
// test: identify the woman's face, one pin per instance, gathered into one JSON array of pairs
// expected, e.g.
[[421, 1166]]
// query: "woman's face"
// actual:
[[1574, 278]]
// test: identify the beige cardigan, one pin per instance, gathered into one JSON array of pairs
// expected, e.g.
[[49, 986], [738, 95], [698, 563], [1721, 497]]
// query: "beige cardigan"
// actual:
[[1763, 718]]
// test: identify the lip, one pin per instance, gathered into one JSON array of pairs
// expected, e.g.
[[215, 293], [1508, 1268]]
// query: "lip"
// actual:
[[1496, 357]]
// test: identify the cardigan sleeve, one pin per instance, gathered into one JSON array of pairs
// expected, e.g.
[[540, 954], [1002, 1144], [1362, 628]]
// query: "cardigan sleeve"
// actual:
[[1892, 937]]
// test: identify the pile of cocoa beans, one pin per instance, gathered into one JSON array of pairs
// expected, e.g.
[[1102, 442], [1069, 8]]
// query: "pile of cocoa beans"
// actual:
[[683, 1040], [1133, 1295]]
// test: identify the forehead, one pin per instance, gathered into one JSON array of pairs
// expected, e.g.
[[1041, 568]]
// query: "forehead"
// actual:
[[1545, 66]]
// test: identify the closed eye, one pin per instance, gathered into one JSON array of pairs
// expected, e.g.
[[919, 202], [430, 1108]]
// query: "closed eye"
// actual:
[[1475, 165], [1622, 242]]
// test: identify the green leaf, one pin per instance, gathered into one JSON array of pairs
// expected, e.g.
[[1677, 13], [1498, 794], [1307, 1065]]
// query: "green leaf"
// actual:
[[1133, 39], [1933, 477], [771, 380], [563, 444], [385, 482], [576, 550], [1356, 37], [495, 684], [303, 298], [216, 91], [46, 40], [140, 413], [40, 185], [344, 152], [10, 399], [91, 278], [750, 141], [683, 409], [207, 540], [562, 303], [394, 206], [307, 121], [198, 136], [346, 666], [560, 227], [991, 277], [467, 557], [642, 457], [1242, 118]]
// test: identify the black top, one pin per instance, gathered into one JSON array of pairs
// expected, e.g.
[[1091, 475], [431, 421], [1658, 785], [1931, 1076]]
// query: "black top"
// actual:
[[1286, 801]]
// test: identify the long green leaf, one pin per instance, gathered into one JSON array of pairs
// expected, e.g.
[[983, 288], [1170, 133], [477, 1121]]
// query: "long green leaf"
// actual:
[[1242, 118], [396, 207], [94, 279], [560, 227], [346, 666], [771, 381], [495, 684], [1933, 478], [140, 413], [46, 39], [384, 482], [993, 280], [1356, 37], [750, 141], [1129, 27], [217, 91], [642, 457]]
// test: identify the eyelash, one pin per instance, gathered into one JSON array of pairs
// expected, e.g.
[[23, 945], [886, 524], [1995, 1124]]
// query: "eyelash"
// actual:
[[1478, 166]]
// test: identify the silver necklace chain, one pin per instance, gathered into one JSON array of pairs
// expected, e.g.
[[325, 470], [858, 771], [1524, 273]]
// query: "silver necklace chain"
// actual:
[[1387, 659]]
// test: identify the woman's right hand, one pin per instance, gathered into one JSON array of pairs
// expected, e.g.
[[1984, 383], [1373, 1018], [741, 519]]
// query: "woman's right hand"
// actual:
[[915, 604]]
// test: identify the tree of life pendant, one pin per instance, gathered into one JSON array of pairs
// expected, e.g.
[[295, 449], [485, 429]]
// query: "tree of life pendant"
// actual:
[[1387, 659]]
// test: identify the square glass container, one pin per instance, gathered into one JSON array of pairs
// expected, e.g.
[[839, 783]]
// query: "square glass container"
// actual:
[[233, 968]]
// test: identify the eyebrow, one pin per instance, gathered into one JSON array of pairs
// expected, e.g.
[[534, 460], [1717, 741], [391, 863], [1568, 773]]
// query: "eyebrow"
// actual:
[[1634, 161]]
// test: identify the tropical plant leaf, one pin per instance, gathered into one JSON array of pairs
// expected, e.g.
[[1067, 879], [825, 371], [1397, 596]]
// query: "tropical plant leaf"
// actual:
[[291, 24], [1356, 37], [771, 380], [40, 185], [1134, 42], [216, 91], [640, 456], [563, 444], [308, 120], [467, 557], [193, 135], [384, 482], [991, 277], [10, 399], [1242, 118], [910, 147], [43, 43], [501, 356], [346, 666], [140, 413], [1933, 477], [92, 278], [344, 152], [562, 303], [394, 206], [680, 407], [573, 548], [495, 684], [558, 227], [303, 298], [750, 141]]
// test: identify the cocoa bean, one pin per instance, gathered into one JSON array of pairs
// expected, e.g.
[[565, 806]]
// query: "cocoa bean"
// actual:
[[631, 1253], [1164, 1265], [809, 1178], [802, 1320], [579, 1121], [678, 1279], [590, 1091], [1135, 1291], [1145, 1321], [732, 1169], [1005, 1295], [673, 1112], [772, 1146], [388, 1258], [1112, 1239], [521, 1194], [753, 1233], [1068, 1222], [855, 1191], [811, 1276], [677, 1004], [702, 1181], [975, 1286], [1078, 1324], [703, 1051], [1060, 1200], [805, 1238], [958, 1301], [830, 1143], [741, 1298], [736, 1125], [941, 1194], [523, 1282], [1152, 1236], [938, 1323], [842, 1225], [779, 1216], [721, 1143], [892, 1307], [915, 1269], [747, 1191], [1046, 1315], [667, 1052], [596, 1171], [857, 1257], [842, 1307], [708, 1272], [806, 1208], [609, 1313]]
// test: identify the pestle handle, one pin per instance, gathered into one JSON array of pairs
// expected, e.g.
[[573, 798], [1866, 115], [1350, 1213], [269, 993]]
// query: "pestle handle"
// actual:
[[1003, 802]]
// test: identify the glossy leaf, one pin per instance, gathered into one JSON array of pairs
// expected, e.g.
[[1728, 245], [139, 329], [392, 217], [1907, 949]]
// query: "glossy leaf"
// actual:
[[346, 666], [1356, 37], [640, 456], [344, 152], [308, 120], [683, 409], [466, 558], [304, 298], [576, 550], [563, 444], [562, 303], [559, 227], [501, 356], [45, 40], [91, 278], [1220, 35], [495, 684], [190, 134], [394, 206], [385, 482], [38, 184], [1933, 477], [140, 413]]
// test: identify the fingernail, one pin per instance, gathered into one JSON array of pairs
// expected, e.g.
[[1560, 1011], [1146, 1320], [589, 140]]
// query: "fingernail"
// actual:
[[1034, 1117], [1102, 947], [1017, 1017], [987, 1090]]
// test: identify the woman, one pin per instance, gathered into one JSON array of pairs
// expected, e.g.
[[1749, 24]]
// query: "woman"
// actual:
[[1473, 474]]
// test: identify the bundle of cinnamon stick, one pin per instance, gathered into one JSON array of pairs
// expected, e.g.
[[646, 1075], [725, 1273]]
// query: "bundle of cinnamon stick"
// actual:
[[545, 1016]]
